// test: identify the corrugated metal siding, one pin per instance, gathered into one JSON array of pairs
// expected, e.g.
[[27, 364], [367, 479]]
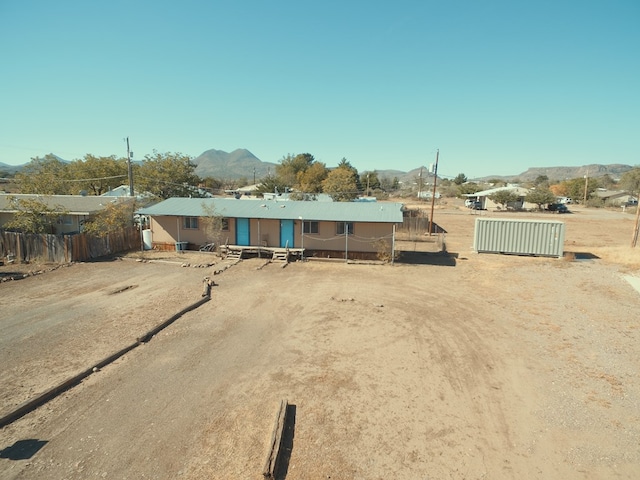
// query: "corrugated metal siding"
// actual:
[[378, 212], [520, 237]]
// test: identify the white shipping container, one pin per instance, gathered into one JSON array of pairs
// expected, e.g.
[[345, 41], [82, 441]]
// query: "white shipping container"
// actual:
[[519, 237]]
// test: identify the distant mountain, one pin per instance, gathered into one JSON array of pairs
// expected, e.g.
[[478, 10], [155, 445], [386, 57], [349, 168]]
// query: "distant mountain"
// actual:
[[12, 169], [232, 166], [614, 170]]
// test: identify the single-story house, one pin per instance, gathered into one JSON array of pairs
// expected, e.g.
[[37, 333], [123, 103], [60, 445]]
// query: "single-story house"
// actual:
[[615, 197], [487, 203], [322, 228], [75, 209]]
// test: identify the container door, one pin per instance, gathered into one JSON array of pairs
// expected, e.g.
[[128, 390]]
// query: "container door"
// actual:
[[242, 231], [286, 233]]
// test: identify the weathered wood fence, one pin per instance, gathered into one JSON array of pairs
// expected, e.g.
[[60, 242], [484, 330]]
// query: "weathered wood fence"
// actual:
[[80, 247]]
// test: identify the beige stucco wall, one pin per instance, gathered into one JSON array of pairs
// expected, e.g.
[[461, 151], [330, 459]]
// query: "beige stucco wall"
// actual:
[[168, 230], [364, 237]]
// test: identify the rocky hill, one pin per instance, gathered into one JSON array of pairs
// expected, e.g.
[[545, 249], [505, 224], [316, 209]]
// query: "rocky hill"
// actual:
[[614, 170], [240, 163]]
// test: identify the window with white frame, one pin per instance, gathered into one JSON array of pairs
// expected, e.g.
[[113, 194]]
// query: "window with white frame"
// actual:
[[309, 226], [344, 227], [190, 223]]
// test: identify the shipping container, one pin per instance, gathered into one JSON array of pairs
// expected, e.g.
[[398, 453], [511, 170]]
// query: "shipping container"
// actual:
[[519, 237]]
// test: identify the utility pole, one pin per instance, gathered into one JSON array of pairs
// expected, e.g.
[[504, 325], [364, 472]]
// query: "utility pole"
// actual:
[[129, 155], [420, 184], [586, 186], [634, 239], [433, 195]]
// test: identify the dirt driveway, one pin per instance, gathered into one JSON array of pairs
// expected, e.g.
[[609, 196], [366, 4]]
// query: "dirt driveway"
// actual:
[[481, 366]]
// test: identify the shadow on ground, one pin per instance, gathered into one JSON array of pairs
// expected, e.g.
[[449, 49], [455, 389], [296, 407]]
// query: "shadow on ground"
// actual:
[[22, 449], [286, 448], [442, 259], [582, 255]]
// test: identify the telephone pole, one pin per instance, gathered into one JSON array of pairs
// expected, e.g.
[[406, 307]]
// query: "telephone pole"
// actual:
[[129, 155], [634, 239], [433, 195], [586, 186]]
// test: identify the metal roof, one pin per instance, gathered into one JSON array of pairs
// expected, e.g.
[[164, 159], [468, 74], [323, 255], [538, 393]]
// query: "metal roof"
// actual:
[[72, 204], [486, 193], [381, 212]]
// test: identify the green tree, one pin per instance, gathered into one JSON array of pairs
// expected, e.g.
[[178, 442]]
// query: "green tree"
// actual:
[[504, 197], [541, 181], [33, 216], [607, 182], [388, 184], [540, 196], [167, 175], [113, 218], [212, 184], [630, 181], [468, 188], [341, 185], [291, 166], [97, 174], [575, 188], [371, 181], [310, 180], [45, 176], [460, 179], [344, 163], [271, 184]]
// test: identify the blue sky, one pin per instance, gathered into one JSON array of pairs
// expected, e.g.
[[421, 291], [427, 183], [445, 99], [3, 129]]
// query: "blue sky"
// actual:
[[496, 86]]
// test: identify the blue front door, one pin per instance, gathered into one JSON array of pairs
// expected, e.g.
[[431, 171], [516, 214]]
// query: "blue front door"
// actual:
[[286, 233], [242, 231]]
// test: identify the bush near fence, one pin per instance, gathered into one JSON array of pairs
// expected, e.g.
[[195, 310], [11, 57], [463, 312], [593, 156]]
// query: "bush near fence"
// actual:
[[26, 247]]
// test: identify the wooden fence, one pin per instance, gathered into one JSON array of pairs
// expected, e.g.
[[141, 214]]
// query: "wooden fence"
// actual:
[[81, 247]]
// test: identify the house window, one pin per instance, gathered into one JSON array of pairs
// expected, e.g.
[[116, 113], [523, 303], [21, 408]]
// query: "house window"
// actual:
[[65, 220], [225, 224], [190, 223], [341, 227], [310, 227]]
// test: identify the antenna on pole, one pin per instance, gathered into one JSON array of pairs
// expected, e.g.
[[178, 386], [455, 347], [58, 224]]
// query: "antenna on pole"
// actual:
[[129, 155], [433, 195]]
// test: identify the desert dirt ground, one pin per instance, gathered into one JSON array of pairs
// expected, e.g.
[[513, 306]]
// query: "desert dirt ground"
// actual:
[[450, 365]]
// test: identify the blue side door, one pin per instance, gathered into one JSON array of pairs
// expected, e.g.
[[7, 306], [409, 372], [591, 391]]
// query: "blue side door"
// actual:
[[286, 233], [242, 231]]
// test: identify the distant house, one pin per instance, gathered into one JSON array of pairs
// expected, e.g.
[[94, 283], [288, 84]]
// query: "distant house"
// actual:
[[615, 197], [76, 209], [488, 204], [321, 228]]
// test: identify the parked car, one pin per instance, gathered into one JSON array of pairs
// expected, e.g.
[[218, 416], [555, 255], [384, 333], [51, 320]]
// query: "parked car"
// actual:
[[476, 206], [557, 208]]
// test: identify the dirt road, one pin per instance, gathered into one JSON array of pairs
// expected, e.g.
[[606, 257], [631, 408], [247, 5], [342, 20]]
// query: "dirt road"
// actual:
[[497, 367]]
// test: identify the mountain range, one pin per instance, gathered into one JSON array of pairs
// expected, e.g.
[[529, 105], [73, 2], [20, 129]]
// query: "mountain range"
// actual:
[[241, 163]]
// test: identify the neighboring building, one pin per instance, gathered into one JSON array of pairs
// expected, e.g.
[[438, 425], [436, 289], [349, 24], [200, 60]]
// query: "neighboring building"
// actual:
[[488, 204], [317, 227], [615, 197], [77, 209]]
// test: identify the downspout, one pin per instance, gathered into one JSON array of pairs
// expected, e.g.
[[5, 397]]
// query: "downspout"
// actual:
[[178, 227], [346, 242], [393, 244], [302, 235]]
